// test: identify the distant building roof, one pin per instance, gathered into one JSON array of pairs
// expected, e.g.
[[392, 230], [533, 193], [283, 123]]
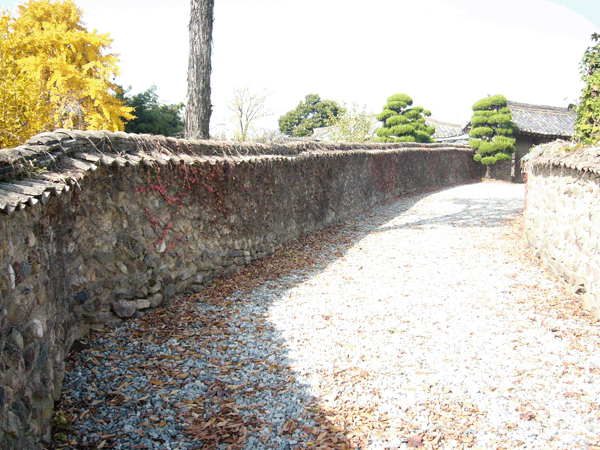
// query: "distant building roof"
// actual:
[[444, 129], [538, 120]]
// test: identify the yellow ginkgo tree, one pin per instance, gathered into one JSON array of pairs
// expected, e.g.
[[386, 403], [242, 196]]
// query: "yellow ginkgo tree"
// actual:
[[54, 73]]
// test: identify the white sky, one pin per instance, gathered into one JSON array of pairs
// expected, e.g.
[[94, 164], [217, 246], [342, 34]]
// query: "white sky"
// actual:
[[446, 54]]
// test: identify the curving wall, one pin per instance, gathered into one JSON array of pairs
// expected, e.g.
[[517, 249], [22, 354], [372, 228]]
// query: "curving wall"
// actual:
[[562, 215], [99, 227]]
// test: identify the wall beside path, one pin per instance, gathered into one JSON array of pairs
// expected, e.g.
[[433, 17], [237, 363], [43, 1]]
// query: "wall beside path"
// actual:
[[562, 215], [98, 227]]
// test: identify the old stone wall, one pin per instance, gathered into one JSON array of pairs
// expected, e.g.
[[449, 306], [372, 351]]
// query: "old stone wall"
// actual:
[[562, 215], [119, 224]]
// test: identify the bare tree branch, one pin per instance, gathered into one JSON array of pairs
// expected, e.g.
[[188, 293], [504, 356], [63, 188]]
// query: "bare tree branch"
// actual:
[[247, 106]]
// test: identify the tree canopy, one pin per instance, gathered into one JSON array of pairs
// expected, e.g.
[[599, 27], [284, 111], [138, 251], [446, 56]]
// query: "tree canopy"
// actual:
[[403, 122], [491, 128], [354, 124], [587, 125], [54, 73], [152, 116], [311, 113]]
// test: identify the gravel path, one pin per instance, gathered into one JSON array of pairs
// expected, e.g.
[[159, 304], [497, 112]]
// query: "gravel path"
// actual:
[[422, 323]]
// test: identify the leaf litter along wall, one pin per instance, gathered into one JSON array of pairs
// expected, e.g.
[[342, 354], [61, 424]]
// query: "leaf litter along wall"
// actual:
[[118, 224]]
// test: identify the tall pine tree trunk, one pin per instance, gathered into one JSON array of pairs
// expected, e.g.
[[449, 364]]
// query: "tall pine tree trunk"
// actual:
[[199, 108]]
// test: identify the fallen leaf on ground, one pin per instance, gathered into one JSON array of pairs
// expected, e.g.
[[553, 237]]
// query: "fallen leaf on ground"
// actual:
[[415, 441], [527, 415]]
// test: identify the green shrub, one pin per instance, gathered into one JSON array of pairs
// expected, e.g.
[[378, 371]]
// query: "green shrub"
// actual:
[[499, 119], [401, 130], [475, 144], [504, 131], [481, 132], [383, 132], [386, 114], [422, 135], [405, 139], [400, 98], [396, 120], [499, 144], [484, 103], [396, 106], [490, 103], [479, 120], [502, 157], [491, 124], [488, 160], [402, 123]]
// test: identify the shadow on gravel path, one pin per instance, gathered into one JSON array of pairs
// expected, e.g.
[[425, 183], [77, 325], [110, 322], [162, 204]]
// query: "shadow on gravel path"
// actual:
[[207, 371]]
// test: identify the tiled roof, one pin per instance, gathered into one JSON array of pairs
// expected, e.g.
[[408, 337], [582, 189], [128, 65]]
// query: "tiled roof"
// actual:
[[444, 129], [537, 120]]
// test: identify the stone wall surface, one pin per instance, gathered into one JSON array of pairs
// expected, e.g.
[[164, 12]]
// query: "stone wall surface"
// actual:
[[562, 215], [117, 224]]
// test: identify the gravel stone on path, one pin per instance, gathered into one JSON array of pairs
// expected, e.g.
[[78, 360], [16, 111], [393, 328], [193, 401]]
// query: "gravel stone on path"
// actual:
[[421, 323]]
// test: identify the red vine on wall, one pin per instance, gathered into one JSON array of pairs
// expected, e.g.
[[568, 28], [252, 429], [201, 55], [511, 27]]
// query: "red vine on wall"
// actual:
[[384, 172], [205, 184]]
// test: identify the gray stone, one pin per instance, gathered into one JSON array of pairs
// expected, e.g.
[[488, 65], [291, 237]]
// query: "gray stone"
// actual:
[[198, 278], [170, 291], [231, 270], [13, 424], [155, 300], [29, 356], [154, 288], [142, 304], [124, 308], [188, 273], [122, 267], [16, 339]]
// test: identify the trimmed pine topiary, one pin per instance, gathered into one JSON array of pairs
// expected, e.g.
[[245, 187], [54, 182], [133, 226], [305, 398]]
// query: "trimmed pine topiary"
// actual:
[[403, 122], [386, 114], [491, 127]]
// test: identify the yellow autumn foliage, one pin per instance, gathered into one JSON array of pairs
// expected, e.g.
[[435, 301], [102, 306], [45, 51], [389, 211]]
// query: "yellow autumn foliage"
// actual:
[[54, 73]]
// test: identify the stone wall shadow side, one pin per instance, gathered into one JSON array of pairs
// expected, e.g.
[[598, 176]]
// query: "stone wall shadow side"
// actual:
[[562, 215], [125, 238]]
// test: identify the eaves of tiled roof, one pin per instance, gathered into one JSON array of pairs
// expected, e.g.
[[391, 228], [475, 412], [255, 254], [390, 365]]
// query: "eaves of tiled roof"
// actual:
[[547, 121]]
